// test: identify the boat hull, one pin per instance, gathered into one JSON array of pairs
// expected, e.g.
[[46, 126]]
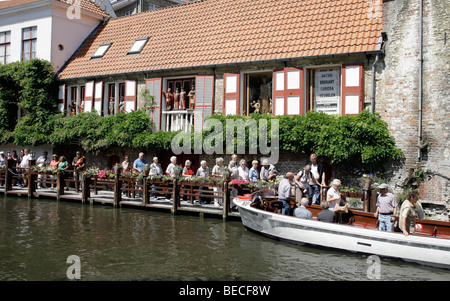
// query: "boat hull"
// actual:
[[424, 250]]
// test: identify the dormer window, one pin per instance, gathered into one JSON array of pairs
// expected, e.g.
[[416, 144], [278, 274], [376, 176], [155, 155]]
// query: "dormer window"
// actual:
[[101, 50], [138, 45]]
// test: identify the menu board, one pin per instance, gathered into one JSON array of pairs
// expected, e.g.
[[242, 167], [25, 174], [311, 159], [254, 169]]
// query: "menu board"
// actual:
[[326, 91]]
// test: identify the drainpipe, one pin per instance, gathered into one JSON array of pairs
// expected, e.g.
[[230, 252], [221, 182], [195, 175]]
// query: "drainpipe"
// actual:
[[419, 150], [372, 102]]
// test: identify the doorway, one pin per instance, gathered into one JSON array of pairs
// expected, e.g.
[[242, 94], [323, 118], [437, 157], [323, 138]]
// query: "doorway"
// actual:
[[257, 93]]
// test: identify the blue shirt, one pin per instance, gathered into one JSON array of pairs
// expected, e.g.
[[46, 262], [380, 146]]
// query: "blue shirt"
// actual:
[[253, 174], [302, 212], [139, 164]]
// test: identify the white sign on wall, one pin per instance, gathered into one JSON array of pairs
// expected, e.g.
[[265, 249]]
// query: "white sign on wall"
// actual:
[[326, 91]]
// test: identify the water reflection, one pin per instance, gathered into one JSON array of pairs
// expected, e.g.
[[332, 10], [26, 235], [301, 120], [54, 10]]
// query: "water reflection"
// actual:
[[37, 236]]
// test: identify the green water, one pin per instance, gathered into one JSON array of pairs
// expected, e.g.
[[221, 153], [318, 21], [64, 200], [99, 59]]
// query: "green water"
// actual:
[[37, 237]]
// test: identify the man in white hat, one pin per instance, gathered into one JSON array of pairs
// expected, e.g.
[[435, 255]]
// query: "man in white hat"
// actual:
[[386, 209]]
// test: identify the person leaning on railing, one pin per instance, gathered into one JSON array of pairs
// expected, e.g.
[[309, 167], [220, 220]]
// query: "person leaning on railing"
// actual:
[[54, 164]]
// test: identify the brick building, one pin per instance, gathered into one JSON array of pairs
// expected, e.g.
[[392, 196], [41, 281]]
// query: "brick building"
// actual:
[[283, 55]]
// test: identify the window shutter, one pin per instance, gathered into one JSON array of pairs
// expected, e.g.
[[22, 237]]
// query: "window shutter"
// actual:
[[154, 88], [130, 95], [98, 97], [231, 93], [352, 89], [288, 92], [204, 99], [88, 96], [62, 98]]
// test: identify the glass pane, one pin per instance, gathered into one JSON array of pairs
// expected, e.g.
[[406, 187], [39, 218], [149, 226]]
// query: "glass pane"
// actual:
[[351, 104], [231, 84], [8, 37], [279, 106], [33, 49], [2, 37], [230, 107], [352, 76], [293, 79], [279, 79], [137, 46], [293, 105], [26, 34], [33, 32], [101, 50]]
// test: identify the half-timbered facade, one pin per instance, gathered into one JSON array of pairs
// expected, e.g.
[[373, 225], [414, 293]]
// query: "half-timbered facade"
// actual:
[[278, 57]]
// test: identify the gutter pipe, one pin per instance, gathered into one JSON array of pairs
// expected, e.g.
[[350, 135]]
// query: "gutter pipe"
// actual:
[[372, 102], [419, 150]]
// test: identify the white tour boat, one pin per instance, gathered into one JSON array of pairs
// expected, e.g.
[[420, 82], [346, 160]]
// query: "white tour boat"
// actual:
[[421, 249]]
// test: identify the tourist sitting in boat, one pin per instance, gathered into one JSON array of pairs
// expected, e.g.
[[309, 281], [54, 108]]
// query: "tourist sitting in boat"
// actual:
[[411, 209], [333, 194], [301, 211], [386, 209], [253, 173], [285, 194], [325, 215]]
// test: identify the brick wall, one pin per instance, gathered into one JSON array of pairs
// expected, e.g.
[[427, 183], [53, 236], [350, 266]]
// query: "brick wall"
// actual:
[[398, 91]]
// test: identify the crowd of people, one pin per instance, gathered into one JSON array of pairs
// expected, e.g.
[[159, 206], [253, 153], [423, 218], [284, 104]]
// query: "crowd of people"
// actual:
[[21, 163], [307, 183]]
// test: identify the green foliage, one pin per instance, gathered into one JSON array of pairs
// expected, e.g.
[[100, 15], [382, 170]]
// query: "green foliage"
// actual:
[[363, 138], [32, 86]]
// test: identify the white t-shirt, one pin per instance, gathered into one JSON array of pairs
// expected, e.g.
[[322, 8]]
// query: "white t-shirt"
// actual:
[[25, 159], [333, 193], [314, 172]]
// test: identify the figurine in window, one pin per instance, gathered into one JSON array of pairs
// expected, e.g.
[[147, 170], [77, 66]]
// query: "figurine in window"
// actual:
[[176, 100], [169, 99], [183, 99], [192, 98], [122, 105], [111, 106], [256, 106], [72, 108]]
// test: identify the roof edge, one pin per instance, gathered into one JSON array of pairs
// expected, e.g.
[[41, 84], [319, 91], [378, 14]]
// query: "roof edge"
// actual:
[[373, 52]]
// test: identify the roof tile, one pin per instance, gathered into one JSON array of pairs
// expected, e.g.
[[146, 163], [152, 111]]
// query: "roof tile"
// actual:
[[219, 32]]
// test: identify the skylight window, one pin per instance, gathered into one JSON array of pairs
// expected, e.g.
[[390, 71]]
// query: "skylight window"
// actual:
[[138, 45], [101, 50]]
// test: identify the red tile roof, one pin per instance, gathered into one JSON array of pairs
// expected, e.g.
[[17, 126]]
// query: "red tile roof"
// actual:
[[217, 32], [87, 5]]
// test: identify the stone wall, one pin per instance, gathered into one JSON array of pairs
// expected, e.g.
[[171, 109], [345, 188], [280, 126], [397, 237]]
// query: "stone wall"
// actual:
[[398, 92]]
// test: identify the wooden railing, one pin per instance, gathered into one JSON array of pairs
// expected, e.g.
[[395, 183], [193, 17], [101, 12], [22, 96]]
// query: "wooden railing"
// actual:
[[138, 188]]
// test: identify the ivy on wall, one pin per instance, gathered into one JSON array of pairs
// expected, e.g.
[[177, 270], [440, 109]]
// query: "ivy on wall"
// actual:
[[363, 138]]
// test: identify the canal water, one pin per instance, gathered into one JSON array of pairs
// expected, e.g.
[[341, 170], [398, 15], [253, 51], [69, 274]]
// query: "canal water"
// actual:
[[37, 237]]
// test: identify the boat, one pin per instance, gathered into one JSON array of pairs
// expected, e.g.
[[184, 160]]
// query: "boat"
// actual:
[[423, 249]]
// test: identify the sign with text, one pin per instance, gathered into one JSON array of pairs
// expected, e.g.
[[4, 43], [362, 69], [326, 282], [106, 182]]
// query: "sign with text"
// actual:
[[326, 91]]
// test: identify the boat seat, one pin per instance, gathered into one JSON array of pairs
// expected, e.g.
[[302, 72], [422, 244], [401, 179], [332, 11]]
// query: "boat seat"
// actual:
[[275, 206]]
